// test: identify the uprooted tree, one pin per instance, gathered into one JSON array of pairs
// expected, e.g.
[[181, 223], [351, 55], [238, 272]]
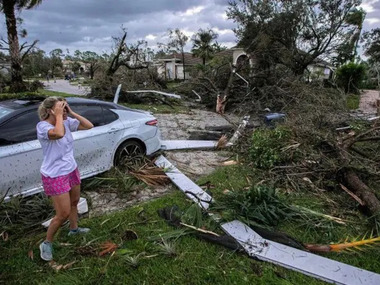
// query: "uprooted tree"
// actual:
[[292, 33], [218, 84], [130, 57], [283, 38]]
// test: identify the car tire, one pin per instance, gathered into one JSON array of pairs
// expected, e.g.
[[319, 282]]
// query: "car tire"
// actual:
[[128, 151]]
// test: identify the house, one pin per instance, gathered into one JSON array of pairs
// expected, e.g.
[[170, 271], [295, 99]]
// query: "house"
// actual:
[[320, 70], [68, 64], [5, 67], [170, 67]]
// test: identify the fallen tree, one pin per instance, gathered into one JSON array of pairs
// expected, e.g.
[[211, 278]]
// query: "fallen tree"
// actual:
[[321, 147]]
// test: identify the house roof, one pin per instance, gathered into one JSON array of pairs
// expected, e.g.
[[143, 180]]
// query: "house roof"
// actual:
[[189, 58], [322, 62], [227, 52]]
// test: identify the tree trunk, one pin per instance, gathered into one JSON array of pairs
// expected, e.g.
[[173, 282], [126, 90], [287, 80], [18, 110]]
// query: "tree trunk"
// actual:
[[17, 84], [361, 190], [353, 181], [183, 65], [221, 101], [92, 71]]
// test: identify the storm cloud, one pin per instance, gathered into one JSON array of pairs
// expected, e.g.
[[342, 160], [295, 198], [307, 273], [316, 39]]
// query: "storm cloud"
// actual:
[[90, 25]]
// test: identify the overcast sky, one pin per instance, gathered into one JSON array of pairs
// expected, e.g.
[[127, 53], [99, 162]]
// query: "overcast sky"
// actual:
[[90, 24]]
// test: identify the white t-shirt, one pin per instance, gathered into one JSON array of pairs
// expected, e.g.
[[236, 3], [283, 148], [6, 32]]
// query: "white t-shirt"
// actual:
[[58, 154]]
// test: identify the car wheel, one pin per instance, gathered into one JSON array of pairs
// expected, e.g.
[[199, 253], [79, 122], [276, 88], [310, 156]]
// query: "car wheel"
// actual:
[[128, 152]]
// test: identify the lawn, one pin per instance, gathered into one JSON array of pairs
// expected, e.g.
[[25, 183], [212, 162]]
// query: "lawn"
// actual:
[[353, 101], [187, 260], [195, 261]]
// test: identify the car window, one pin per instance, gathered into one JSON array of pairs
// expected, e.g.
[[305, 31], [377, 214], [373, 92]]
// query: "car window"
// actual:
[[109, 116], [93, 113], [19, 129], [4, 111]]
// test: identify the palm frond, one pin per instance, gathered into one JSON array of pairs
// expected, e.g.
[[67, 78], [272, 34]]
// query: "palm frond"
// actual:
[[354, 244]]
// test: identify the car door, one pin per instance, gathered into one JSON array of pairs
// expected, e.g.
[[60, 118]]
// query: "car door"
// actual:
[[20, 155], [94, 148]]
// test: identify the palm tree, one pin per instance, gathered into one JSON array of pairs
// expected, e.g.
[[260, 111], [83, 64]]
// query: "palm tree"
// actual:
[[203, 46], [8, 7], [355, 18]]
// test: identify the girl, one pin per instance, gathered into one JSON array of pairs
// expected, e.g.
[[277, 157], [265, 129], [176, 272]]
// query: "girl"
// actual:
[[59, 171]]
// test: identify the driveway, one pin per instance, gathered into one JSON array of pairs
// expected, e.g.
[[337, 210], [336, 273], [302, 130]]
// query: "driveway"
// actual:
[[192, 163], [64, 86], [368, 101]]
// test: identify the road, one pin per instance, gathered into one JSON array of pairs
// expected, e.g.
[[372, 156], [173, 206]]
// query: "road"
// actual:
[[64, 86]]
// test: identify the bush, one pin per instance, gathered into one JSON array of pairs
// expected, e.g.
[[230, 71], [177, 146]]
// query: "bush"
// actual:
[[23, 95], [350, 76], [266, 148], [35, 85]]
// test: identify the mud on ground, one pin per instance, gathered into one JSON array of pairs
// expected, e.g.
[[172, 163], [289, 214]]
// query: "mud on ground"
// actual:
[[192, 163]]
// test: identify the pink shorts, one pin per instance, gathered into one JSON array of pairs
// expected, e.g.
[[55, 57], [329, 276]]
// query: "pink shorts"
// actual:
[[61, 184]]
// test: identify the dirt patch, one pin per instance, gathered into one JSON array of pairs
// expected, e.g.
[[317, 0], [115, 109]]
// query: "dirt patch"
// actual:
[[105, 202], [181, 126], [192, 163], [368, 101]]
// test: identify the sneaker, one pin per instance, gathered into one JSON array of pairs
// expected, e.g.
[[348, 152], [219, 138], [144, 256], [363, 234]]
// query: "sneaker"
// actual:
[[46, 251], [78, 231]]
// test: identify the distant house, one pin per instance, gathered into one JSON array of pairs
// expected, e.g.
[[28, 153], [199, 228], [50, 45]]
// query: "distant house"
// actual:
[[67, 65], [320, 70], [170, 67], [5, 67]]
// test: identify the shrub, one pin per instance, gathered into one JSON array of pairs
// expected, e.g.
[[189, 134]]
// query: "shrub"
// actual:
[[35, 85], [266, 148], [350, 76]]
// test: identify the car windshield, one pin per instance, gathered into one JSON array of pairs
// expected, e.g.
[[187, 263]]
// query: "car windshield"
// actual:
[[4, 111]]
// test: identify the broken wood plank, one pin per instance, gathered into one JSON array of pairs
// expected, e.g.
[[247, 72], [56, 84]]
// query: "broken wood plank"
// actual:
[[187, 144], [305, 262], [157, 92], [239, 131], [185, 184]]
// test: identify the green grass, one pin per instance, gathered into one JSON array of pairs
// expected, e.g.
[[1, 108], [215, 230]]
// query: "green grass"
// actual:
[[40, 92], [56, 93], [353, 101], [195, 262]]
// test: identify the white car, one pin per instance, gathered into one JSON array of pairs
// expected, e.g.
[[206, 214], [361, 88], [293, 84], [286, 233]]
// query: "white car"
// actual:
[[118, 132]]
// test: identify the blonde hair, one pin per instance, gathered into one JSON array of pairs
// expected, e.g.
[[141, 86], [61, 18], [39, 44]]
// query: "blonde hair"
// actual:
[[46, 105]]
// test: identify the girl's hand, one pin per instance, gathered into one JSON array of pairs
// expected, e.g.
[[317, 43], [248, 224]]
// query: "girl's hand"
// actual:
[[69, 111], [57, 110]]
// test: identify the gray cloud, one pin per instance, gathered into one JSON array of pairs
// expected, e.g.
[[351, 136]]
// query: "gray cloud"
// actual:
[[90, 25], [86, 24]]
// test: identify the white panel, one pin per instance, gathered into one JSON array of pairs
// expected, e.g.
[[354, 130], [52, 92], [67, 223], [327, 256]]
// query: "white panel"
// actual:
[[187, 144], [186, 185], [305, 262]]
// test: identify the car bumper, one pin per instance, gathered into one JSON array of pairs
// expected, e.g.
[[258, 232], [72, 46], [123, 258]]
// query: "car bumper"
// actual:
[[153, 144]]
